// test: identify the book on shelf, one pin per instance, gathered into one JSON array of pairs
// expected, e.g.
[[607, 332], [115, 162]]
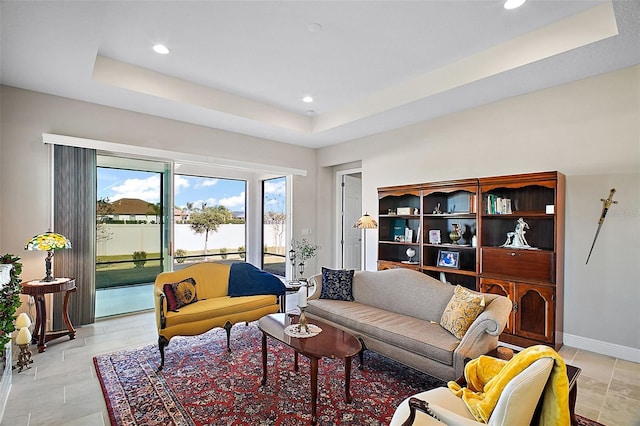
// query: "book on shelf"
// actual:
[[397, 229], [498, 205]]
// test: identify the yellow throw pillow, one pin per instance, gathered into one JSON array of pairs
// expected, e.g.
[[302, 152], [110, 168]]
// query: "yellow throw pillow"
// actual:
[[461, 311]]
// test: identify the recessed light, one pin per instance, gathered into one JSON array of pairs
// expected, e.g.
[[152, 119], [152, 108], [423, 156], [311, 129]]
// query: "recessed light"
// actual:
[[314, 28], [307, 99], [513, 4], [161, 49]]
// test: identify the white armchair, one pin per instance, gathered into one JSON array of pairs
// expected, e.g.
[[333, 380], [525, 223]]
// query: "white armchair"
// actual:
[[516, 405]]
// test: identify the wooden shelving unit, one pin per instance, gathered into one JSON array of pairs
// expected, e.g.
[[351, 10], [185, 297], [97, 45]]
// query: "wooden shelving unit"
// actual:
[[486, 211]]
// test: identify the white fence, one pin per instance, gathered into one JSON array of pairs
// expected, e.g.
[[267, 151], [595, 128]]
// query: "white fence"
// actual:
[[125, 239]]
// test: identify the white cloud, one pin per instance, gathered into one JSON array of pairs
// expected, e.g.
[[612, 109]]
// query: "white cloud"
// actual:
[[206, 182], [276, 187], [179, 183], [145, 189], [232, 203]]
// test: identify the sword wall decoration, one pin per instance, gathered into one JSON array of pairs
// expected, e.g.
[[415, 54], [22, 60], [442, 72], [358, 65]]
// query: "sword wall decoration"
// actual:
[[605, 209]]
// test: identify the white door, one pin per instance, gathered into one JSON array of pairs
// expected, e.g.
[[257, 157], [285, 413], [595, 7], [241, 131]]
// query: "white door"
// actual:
[[351, 212]]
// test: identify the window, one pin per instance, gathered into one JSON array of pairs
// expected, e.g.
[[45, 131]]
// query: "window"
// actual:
[[274, 235], [209, 220]]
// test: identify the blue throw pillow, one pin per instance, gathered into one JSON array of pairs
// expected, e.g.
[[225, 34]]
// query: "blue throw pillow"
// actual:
[[337, 285]]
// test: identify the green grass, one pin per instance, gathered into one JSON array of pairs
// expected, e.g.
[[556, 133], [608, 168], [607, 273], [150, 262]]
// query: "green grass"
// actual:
[[120, 277]]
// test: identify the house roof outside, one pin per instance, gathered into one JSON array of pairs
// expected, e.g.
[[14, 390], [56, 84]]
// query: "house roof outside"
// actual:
[[129, 206]]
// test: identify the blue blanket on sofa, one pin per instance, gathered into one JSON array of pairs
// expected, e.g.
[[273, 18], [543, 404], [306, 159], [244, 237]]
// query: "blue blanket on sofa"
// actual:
[[247, 280]]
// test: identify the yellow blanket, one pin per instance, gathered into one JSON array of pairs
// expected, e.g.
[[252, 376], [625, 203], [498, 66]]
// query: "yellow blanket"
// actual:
[[487, 376]]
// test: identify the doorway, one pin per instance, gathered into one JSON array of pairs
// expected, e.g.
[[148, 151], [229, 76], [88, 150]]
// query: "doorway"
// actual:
[[349, 211], [132, 233]]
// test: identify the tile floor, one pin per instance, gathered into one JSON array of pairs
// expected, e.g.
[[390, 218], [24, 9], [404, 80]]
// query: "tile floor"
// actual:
[[62, 388]]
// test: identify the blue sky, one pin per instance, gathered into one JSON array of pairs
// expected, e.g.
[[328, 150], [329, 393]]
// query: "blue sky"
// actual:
[[117, 183]]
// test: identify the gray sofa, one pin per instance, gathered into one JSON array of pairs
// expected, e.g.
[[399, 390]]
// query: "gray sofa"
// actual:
[[397, 313]]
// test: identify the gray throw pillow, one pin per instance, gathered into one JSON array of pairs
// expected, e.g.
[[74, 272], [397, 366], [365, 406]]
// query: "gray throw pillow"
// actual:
[[337, 284]]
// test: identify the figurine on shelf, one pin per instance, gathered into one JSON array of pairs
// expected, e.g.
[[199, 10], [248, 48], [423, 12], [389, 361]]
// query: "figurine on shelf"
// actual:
[[437, 209], [516, 239]]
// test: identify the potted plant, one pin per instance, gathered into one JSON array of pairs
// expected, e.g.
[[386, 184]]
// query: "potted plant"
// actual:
[[9, 300], [304, 251]]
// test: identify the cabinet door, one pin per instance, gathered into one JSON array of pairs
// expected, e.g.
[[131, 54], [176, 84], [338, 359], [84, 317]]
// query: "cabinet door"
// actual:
[[503, 288], [535, 307]]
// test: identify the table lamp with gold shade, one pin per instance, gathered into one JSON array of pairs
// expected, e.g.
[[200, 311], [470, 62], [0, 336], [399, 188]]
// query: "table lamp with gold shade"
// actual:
[[49, 242], [364, 223]]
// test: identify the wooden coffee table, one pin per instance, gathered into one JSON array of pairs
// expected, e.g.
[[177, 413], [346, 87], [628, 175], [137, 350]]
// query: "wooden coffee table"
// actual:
[[330, 343]]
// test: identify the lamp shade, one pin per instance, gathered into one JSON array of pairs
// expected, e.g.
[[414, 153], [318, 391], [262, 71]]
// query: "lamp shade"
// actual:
[[48, 241], [23, 321], [23, 337], [366, 222]]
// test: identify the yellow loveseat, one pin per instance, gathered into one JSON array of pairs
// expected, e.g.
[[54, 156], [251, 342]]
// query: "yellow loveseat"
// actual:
[[214, 306]]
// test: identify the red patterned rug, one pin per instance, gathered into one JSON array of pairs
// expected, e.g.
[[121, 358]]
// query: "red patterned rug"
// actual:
[[203, 384]]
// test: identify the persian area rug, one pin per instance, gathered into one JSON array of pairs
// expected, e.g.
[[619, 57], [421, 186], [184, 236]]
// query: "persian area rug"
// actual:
[[203, 384]]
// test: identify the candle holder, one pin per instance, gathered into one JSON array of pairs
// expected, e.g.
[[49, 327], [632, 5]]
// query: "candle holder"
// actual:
[[24, 357]]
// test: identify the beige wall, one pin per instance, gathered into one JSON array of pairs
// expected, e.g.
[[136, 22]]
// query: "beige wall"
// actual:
[[590, 131], [587, 130], [25, 166]]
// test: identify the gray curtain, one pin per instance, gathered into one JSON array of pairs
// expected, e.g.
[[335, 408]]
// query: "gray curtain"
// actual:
[[74, 210]]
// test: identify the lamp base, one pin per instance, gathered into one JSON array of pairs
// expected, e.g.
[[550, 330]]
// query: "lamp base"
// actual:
[[24, 358], [47, 264]]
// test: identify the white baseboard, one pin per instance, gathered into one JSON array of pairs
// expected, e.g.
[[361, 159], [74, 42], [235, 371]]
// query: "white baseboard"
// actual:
[[605, 348]]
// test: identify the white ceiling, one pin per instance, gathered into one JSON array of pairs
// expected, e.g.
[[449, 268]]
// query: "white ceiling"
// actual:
[[373, 66]]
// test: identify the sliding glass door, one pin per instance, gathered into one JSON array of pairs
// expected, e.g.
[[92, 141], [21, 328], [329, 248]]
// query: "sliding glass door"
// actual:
[[132, 232]]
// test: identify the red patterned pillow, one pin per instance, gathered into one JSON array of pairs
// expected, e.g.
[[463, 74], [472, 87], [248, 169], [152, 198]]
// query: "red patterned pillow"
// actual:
[[180, 294]]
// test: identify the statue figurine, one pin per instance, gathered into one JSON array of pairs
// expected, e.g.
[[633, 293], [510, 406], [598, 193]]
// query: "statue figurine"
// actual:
[[516, 239]]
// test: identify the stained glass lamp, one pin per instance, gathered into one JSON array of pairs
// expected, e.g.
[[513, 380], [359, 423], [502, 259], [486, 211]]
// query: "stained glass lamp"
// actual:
[[49, 242]]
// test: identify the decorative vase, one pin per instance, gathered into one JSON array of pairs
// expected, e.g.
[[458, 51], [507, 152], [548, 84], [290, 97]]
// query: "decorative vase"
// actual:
[[455, 234]]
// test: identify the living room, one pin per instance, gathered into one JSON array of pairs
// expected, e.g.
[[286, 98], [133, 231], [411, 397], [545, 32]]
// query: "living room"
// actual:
[[585, 128]]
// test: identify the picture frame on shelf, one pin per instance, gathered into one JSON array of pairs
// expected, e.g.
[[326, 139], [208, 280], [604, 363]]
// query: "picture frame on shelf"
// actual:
[[408, 235], [434, 236], [448, 259]]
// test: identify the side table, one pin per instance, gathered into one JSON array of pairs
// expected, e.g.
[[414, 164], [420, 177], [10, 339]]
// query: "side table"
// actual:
[[38, 289]]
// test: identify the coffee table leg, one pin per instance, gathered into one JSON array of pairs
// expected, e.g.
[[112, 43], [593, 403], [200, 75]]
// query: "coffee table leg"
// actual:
[[264, 358], [347, 379], [314, 389], [295, 361]]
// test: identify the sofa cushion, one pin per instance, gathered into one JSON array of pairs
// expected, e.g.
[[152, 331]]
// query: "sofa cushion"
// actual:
[[218, 307], [403, 291], [337, 284], [461, 311], [180, 294], [409, 333]]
